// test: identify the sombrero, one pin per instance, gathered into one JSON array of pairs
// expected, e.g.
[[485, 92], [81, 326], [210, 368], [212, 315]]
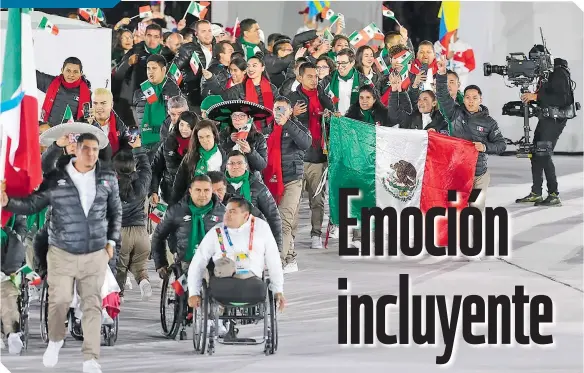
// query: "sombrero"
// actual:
[[222, 111], [54, 133]]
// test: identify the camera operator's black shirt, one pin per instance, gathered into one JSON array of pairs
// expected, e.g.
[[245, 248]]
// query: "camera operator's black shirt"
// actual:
[[557, 90]]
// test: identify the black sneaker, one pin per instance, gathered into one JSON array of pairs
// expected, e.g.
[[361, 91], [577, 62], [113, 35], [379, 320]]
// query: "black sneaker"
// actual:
[[553, 199], [531, 198]]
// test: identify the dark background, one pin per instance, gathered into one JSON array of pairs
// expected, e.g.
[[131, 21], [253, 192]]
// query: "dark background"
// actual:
[[419, 17]]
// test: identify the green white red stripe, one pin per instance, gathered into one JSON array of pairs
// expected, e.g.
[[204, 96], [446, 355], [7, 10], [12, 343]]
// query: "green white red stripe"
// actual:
[[195, 62], [174, 71], [67, 116], [199, 10], [145, 11], [20, 151], [48, 26], [390, 174], [148, 91]]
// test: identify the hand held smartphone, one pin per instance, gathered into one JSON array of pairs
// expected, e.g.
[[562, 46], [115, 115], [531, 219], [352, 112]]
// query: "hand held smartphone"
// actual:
[[86, 109], [134, 133]]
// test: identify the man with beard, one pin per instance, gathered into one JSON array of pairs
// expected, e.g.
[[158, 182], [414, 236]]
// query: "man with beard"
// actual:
[[203, 47]]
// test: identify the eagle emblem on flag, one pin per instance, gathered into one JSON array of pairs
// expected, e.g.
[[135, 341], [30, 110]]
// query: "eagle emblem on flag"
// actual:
[[401, 181]]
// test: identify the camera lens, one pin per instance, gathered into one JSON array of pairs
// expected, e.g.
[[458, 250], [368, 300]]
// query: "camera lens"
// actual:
[[487, 69]]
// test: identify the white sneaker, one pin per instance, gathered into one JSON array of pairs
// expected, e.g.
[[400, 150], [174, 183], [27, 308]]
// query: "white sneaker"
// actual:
[[316, 242], [15, 344], [51, 356], [222, 329], [145, 289], [291, 267], [334, 232], [91, 366], [128, 283], [105, 318]]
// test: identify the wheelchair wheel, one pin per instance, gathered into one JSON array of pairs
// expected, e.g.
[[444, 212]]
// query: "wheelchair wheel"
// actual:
[[269, 325], [24, 302], [200, 322], [110, 333], [74, 326], [170, 301], [44, 312]]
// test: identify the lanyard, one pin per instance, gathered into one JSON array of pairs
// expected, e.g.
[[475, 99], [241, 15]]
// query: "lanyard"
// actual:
[[220, 237]]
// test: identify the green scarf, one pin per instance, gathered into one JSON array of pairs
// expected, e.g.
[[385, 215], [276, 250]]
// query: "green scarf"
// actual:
[[245, 187], [334, 86], [203, 163], [248, 48], [198, 228], [332, 55], [459, 101], [154, 116], [368, 116], [37, 219], [155, 50], [9, 224]]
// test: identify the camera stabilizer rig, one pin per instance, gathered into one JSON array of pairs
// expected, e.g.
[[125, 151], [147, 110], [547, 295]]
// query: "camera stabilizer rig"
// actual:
[[523, 72]]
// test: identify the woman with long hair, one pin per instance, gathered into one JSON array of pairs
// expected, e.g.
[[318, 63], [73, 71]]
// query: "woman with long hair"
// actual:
[[65, 94], [134, 175], [124, 41], [325, 66], [169, 156], [365, 63], [425, 115], [368, 109], [237, 68], [254, 147], [255, 87], [204, 155]]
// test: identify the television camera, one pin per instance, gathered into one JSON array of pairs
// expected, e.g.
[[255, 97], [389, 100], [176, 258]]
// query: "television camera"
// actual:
[[524, 71]]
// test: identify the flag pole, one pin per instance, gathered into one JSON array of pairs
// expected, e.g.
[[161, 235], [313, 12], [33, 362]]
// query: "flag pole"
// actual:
[[3, 155]]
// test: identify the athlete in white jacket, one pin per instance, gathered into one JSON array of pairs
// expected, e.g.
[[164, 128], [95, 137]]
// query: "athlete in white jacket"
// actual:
[[238, 229]]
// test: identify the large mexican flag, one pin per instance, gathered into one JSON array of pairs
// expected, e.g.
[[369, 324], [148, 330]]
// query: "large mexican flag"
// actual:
[[397, 168], [20, 156]]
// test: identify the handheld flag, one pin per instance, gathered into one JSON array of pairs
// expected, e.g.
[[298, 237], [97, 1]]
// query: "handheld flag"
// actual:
[[329, 15], [195, 62], [67, 116], [174, 71], [48, 26], [158, 213], [19, 110], [145, 11], [180, 286], [389, 14], [148, 91], [381, 65], [198, 10]]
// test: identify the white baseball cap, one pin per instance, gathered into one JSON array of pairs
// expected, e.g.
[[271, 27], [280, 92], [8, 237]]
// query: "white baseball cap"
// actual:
[[216, 30]]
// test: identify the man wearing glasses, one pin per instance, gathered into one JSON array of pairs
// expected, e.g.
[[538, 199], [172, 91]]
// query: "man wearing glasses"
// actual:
[[83, 235]]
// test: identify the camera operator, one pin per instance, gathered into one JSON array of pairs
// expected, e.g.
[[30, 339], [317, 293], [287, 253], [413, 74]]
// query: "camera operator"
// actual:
[[556, 92]]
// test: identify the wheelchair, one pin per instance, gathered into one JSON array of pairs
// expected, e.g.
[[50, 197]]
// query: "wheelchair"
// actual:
[[73, 324], [179, 318], [204, 338], [23, 306]]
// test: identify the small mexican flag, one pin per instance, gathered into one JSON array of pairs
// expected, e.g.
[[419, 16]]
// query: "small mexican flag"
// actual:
[[390, 174], [48, 26], [145, 11], [328, 14], [381, 65], [198, 10], [86, 13], [25, 269], [148, 91], [328, 35], [373, 32], [357, 39], [387, 12], [33, 278], [158, 213], [180, 286], [195, 62], [68, 116], [100, 16], [174, 71], [404, 58]]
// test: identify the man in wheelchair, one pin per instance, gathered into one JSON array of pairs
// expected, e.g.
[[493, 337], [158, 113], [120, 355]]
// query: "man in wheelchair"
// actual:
[[241, 247], [13, 256]]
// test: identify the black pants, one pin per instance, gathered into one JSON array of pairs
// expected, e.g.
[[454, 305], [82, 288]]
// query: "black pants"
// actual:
[[226, 290], [547, 130]]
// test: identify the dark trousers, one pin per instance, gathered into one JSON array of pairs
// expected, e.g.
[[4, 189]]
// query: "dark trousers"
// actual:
[[547, 132], [229, 289]]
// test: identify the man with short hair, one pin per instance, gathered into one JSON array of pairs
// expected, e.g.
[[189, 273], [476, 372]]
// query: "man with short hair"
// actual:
[[83, 236], [250, 43], [219, 182], [203, 46], [279, 60], [132, 70], [343, 85], [238, 235], [109, 121], [471, 121], [189, 220], [241, 182], [313, 102], [287, 147], [292, 82], [219, 67], [150, 112], [172, 44], [175, 106]]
